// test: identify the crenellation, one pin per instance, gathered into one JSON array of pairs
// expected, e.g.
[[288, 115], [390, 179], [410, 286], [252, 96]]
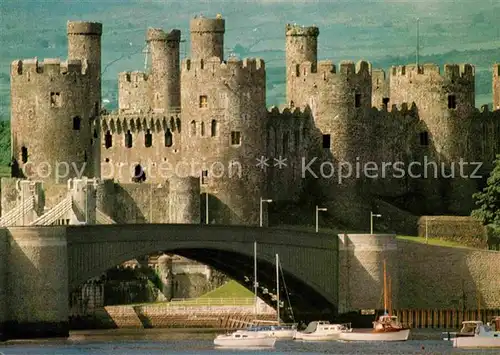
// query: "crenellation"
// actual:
[[132, 77], [218, 68], [347, 111], [50, 66]]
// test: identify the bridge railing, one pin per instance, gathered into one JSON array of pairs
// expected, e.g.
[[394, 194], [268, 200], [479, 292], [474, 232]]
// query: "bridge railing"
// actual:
[[235, 301]]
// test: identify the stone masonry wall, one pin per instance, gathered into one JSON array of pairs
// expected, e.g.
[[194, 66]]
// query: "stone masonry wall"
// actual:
[[465, 230], [442, 277]]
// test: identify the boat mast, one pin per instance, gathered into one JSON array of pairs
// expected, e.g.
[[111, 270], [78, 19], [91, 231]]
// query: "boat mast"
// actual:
[[385, 289], [255, 277], [278, 288], [389, 296]]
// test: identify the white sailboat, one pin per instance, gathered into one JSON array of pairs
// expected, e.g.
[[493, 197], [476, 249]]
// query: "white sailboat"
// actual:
[[322, 331], [386, 328], [279, 330], [247, 338]]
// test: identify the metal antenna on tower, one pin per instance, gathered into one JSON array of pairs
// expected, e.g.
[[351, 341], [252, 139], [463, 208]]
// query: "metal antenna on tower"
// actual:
[[418, 39], [146, 54]]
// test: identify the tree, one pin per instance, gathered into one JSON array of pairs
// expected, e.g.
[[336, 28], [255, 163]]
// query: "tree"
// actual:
[[489, 199]]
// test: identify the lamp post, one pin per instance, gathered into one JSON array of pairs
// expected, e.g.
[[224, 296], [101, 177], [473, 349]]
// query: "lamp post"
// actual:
[[206, 208], [261, 202], [317, 210], [371, 220]]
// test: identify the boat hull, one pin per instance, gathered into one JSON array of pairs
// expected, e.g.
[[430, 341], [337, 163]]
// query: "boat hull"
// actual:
[[477, 342], [400, 335], [317, 337], [263, 342], [280, 334]]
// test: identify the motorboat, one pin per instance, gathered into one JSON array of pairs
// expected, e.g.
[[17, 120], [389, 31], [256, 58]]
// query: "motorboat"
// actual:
[[244, 339], [279, 331], [468, 330], [322, 331], [386, 328], [484, 337]]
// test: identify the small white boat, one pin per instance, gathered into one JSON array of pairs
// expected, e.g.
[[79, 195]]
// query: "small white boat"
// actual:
[[244, 339], [275, 331], [322, 331], [468, 330], [484, 337]]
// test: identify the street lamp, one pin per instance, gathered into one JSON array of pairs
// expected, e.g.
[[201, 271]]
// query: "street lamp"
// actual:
[[317, 210], [261, 202], [206, 208], [371, 220]]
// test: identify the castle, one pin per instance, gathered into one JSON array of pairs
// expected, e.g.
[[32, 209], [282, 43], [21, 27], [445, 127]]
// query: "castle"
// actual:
[[197, 132]]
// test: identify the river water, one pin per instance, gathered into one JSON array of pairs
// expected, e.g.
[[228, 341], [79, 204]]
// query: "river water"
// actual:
[[182, 341]]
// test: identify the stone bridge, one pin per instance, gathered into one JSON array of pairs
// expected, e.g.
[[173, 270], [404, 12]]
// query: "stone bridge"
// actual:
[[44, 263]]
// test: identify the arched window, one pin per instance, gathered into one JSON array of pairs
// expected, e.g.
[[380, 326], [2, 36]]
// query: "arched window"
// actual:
[[213, 128], [76, 123], [128, 139], [108, 140], [24, 155], [168, 138], [192, 131], [202, 129], [148, 139], [139, 174]]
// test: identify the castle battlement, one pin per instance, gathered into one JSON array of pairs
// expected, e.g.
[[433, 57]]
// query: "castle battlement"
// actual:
[[158, 34], [450, 72], [120, 123], [201, 24], [84, 28], [50, 66], [287, 111], [298, 30], [379, 74], [132, 77], [329, 69], [233, 66]]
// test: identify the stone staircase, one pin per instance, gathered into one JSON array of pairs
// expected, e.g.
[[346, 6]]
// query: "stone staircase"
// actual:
[[124, 316]]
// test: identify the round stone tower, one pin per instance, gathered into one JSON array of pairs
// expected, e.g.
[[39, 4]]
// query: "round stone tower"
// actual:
[[164, 78], [224, 109], [52, 134], [166, 275], [184, 199], [207, 37], [361, 270], [445, 102], [496, 86], [301, 46], [84, 43]]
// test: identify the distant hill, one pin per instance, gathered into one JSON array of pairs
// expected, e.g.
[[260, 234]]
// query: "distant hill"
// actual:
[[383, 32]]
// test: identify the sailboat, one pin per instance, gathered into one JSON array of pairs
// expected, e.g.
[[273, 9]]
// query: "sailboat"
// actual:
[[277, 330], [386, 328], [249, 338]]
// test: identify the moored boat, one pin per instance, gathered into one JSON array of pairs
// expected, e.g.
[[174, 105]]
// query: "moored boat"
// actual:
[[244, 339], [484, 337], [386, 328], [322, 331], [276, 331], [468, 330]]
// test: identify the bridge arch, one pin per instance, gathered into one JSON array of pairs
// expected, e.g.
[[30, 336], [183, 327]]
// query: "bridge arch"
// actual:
[[308, 260]]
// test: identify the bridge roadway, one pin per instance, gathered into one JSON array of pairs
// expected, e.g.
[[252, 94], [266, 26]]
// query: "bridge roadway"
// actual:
[[44, 263]]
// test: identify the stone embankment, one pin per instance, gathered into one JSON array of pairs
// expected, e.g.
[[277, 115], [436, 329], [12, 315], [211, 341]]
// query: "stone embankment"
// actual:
[[158, 316]]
